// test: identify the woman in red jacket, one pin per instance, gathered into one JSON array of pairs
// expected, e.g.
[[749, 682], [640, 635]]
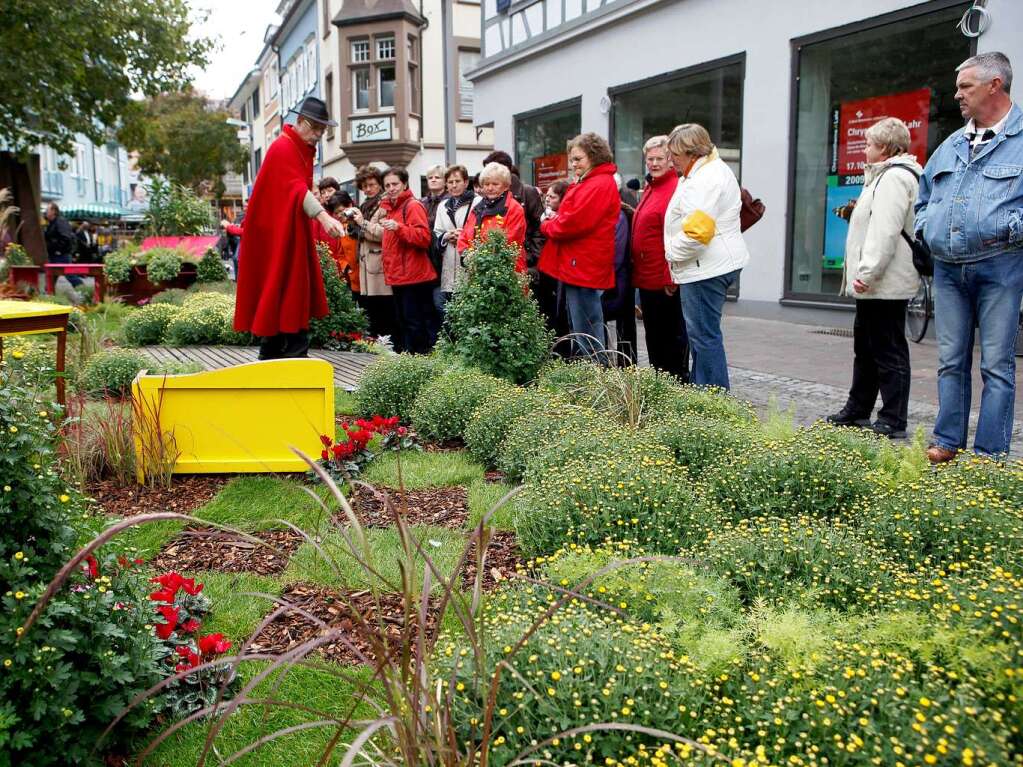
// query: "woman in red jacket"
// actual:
[[580, 248], [497, 209], [667, 343], [405, 236]]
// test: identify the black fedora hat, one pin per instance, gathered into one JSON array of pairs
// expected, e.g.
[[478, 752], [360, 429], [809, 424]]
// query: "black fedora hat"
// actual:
[[314, 109]]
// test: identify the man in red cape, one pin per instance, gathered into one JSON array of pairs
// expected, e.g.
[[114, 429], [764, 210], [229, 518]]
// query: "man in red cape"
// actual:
[[280, 286]]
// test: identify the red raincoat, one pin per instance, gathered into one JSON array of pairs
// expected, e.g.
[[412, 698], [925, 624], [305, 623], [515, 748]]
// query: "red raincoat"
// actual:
[[280, 287], [513, 224]]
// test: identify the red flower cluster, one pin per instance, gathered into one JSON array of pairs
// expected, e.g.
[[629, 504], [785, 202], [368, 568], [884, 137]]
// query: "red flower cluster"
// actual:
[[172, 583], [338, 335], [209, 646]]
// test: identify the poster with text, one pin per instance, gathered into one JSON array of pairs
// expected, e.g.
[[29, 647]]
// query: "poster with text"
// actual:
[[548, 169], [836, 229], [912, 107]]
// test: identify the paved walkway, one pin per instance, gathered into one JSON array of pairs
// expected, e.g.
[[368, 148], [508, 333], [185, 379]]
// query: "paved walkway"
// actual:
[[808, 368]]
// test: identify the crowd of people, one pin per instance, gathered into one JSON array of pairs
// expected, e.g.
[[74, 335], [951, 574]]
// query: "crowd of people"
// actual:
[[591, 247]]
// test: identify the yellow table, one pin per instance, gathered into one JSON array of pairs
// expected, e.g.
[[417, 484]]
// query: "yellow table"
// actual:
[[23, 318]]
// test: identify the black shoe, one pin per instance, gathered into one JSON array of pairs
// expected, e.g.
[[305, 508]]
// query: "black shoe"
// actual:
[[885, 429], [847, 418]]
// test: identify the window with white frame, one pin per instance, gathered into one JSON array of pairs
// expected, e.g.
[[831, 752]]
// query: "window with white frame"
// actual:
[[310, 65], [360, 89], [385, 48], [467, 61], [360, 51], [386, 87]]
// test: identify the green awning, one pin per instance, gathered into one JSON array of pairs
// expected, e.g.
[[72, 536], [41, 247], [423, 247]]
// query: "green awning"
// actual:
[[95, 211]]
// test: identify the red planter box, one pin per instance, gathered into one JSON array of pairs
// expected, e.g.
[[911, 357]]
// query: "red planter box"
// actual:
[[139, 289]]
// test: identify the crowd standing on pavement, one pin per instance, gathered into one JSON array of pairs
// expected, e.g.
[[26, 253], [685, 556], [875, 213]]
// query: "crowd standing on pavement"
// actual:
[[590, 247]]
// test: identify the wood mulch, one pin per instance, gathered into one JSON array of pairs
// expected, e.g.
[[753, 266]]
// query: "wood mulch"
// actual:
[[225, 552], [503, 555], [186, 494], [381, 618], [494, 476], [440, 506]]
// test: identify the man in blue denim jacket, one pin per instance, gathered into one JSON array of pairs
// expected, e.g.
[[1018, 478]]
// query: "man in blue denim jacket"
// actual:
[[970, 214]]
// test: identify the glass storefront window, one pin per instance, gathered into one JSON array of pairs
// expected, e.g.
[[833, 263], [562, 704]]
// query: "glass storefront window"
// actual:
[[540, 143], [903, 69], [712, 98]]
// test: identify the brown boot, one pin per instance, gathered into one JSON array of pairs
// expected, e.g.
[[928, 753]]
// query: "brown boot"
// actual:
[[937, 454]]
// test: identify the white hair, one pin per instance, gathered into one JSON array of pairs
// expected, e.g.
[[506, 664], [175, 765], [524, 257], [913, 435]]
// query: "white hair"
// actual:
[[436, 170], [494, 171], [992, 64], [890, 133], [655, 142]]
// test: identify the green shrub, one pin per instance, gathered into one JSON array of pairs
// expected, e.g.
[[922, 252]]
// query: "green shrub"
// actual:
[[148, 324], [445, 403], [571, 442], [699, 442], [31, 360], [709, 402], [117, 266], [175, 210], [163, 265], [111, 371], [530, 431], [344, 316], [390, 385], [93, 649], [492, 322], [634, 493], [172, 296], [789, 478], [210, 267], [205, 318], [583, 667], [984, 473], [576, 382], [489, 424]]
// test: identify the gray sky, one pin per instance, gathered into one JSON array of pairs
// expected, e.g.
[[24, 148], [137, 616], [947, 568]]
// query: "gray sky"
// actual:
[[237, 27]]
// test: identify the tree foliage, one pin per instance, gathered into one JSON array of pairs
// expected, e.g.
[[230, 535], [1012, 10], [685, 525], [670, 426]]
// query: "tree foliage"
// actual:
[[73, 67], [179, 136]]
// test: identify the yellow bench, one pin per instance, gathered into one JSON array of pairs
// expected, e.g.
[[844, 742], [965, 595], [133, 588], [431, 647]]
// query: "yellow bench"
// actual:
[[244, 418], [23, 318]]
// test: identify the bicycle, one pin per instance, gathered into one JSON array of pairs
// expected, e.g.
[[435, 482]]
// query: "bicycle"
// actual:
[[919, 311]]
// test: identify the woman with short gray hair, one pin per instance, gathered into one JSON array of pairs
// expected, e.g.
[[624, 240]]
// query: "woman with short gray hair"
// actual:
[[496, 209], [879, 273]]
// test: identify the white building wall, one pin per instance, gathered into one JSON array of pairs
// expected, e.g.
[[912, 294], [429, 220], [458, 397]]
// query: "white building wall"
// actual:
[[675, 34]]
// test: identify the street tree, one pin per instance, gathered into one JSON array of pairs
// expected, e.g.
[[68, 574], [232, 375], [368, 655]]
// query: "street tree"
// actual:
[[74, 67], [184, 138]]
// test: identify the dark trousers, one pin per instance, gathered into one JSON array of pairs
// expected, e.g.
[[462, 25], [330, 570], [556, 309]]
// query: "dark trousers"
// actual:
[[416, 316], [380, 313], [624, 319], [284, 345], [881, 362], [667, 343], [555, 316]]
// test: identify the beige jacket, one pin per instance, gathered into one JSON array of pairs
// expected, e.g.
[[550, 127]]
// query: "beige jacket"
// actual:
[[371, 262], [875, 251]]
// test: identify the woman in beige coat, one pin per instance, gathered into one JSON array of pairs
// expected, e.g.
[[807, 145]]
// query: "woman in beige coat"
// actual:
[[880, 275], [376, 297]]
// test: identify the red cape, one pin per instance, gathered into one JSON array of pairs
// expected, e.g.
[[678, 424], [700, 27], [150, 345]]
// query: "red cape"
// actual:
[[280, 286]]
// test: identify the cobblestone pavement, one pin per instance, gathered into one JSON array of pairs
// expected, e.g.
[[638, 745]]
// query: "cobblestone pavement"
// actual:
[[802, 369]]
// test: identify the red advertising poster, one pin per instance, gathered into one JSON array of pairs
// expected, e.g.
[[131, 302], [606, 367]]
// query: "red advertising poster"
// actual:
[[548, 169], [912, 107]]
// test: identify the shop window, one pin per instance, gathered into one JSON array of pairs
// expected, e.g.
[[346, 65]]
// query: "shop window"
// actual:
[[385, 48], [360, 51], [386, 85], [541, 139], [467, 61], [903, 69], [711, 97], [360, 90]]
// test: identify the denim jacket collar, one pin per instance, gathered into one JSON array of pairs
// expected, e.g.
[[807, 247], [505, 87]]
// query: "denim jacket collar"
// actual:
[[1013, 125]]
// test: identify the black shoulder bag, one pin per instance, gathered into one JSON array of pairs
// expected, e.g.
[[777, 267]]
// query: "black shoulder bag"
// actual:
[[923, 262]]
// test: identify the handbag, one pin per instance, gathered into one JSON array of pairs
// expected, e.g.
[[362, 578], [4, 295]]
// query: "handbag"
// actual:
[[751, 210]]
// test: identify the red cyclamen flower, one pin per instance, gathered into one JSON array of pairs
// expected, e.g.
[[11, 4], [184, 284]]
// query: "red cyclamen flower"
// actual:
[[164, 630], [92, 567], [213, 644]]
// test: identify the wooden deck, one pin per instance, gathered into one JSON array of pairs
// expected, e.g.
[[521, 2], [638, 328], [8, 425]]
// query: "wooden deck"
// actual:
[[348, 366]]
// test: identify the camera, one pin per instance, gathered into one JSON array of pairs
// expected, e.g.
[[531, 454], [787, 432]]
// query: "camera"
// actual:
[[348, 212]]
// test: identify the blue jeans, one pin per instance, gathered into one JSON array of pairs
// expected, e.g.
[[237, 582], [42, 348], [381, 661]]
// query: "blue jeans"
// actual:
[[702, 302], [986, 293], [586, 317]]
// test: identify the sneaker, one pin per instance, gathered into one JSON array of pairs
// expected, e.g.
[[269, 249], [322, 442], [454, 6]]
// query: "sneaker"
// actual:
[[885, 429], [847, 418]]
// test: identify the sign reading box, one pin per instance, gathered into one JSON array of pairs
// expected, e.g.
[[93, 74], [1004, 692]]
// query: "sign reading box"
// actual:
[[371, 129]]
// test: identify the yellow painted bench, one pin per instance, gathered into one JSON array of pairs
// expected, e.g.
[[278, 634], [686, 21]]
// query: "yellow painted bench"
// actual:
[[244, 418]]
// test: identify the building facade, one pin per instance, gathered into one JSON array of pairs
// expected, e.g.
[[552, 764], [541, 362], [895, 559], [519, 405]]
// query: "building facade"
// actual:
[[95, 181], [785, 87]]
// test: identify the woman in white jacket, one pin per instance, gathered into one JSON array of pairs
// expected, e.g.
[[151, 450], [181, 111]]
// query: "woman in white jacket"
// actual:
[[880, 275], [703, 245], [451, 215]]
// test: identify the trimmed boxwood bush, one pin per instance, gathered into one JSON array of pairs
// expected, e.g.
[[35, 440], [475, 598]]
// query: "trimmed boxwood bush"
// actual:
[[148, 324], [628, 493], [210, 267], [489, 424], [445, 403], [112, 371], [390, 384]]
